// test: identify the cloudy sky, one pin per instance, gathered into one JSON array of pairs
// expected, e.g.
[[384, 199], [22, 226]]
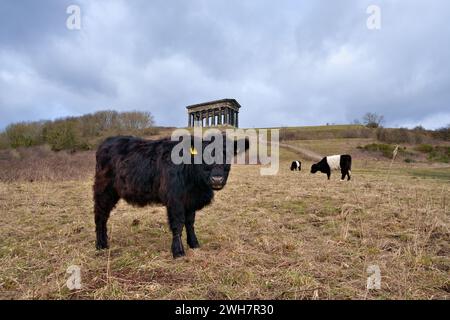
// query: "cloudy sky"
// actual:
[[287, 62]]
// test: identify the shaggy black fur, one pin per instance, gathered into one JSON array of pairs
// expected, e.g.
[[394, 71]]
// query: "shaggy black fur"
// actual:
[[141, 172]]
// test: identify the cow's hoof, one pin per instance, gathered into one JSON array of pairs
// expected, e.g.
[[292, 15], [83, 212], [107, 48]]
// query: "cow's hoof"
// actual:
[[177, 255], [101, 246], [193, 243], [194, 246]]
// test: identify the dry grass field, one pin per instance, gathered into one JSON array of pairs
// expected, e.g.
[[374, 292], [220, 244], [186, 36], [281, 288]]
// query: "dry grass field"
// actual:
[[289, 236]]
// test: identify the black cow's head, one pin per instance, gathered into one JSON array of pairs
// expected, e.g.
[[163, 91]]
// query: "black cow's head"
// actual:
[[314, 168], [213, 173]]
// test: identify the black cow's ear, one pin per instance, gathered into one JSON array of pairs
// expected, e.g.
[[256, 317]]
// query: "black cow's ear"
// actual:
[[237, 146]]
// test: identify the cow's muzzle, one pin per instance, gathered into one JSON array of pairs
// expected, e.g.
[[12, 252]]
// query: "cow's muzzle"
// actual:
[[217, 182]]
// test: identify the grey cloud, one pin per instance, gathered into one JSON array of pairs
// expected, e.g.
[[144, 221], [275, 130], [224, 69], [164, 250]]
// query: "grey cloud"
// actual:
[[288, 63]]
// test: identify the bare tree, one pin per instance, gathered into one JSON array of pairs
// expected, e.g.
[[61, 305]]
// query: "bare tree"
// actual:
[[373, 120], [135, 120]]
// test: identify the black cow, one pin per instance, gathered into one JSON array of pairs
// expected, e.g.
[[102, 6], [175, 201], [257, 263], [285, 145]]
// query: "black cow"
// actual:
[[296, 165], [142, 172], [339, 162]]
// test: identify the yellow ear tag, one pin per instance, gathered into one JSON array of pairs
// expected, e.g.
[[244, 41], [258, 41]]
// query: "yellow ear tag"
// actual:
[[193, 151]]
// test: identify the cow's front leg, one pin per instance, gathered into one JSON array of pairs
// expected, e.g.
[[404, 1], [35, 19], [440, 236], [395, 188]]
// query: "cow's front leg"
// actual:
[[176, 222], [190, 232]]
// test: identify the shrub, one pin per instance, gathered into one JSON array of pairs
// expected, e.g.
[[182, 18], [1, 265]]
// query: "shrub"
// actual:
[[77, 133], [424, 148], [441, 154], [4, 142], [64, 135], [24, 134], [442, 133], [401, 135], [150, 131], [385, 149], [438, 153], [39, 163]]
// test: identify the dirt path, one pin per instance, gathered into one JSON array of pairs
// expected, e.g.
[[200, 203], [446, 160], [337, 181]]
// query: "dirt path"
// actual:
[[306, 153]]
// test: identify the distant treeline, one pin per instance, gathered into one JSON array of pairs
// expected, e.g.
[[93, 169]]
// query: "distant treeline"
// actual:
[[417, 135], [76, 133]]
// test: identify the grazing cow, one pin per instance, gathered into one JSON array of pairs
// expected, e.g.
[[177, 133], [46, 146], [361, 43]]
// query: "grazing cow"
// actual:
[[142, 172], [296, 165], [339, 162]]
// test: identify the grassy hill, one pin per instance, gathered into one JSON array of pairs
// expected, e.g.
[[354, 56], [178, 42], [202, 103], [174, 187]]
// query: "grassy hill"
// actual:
[[290, 236]]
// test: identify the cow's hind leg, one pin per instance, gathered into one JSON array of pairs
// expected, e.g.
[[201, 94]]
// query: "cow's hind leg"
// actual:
[[190, 232], [176, 221], [348, 175], [104, 202]]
